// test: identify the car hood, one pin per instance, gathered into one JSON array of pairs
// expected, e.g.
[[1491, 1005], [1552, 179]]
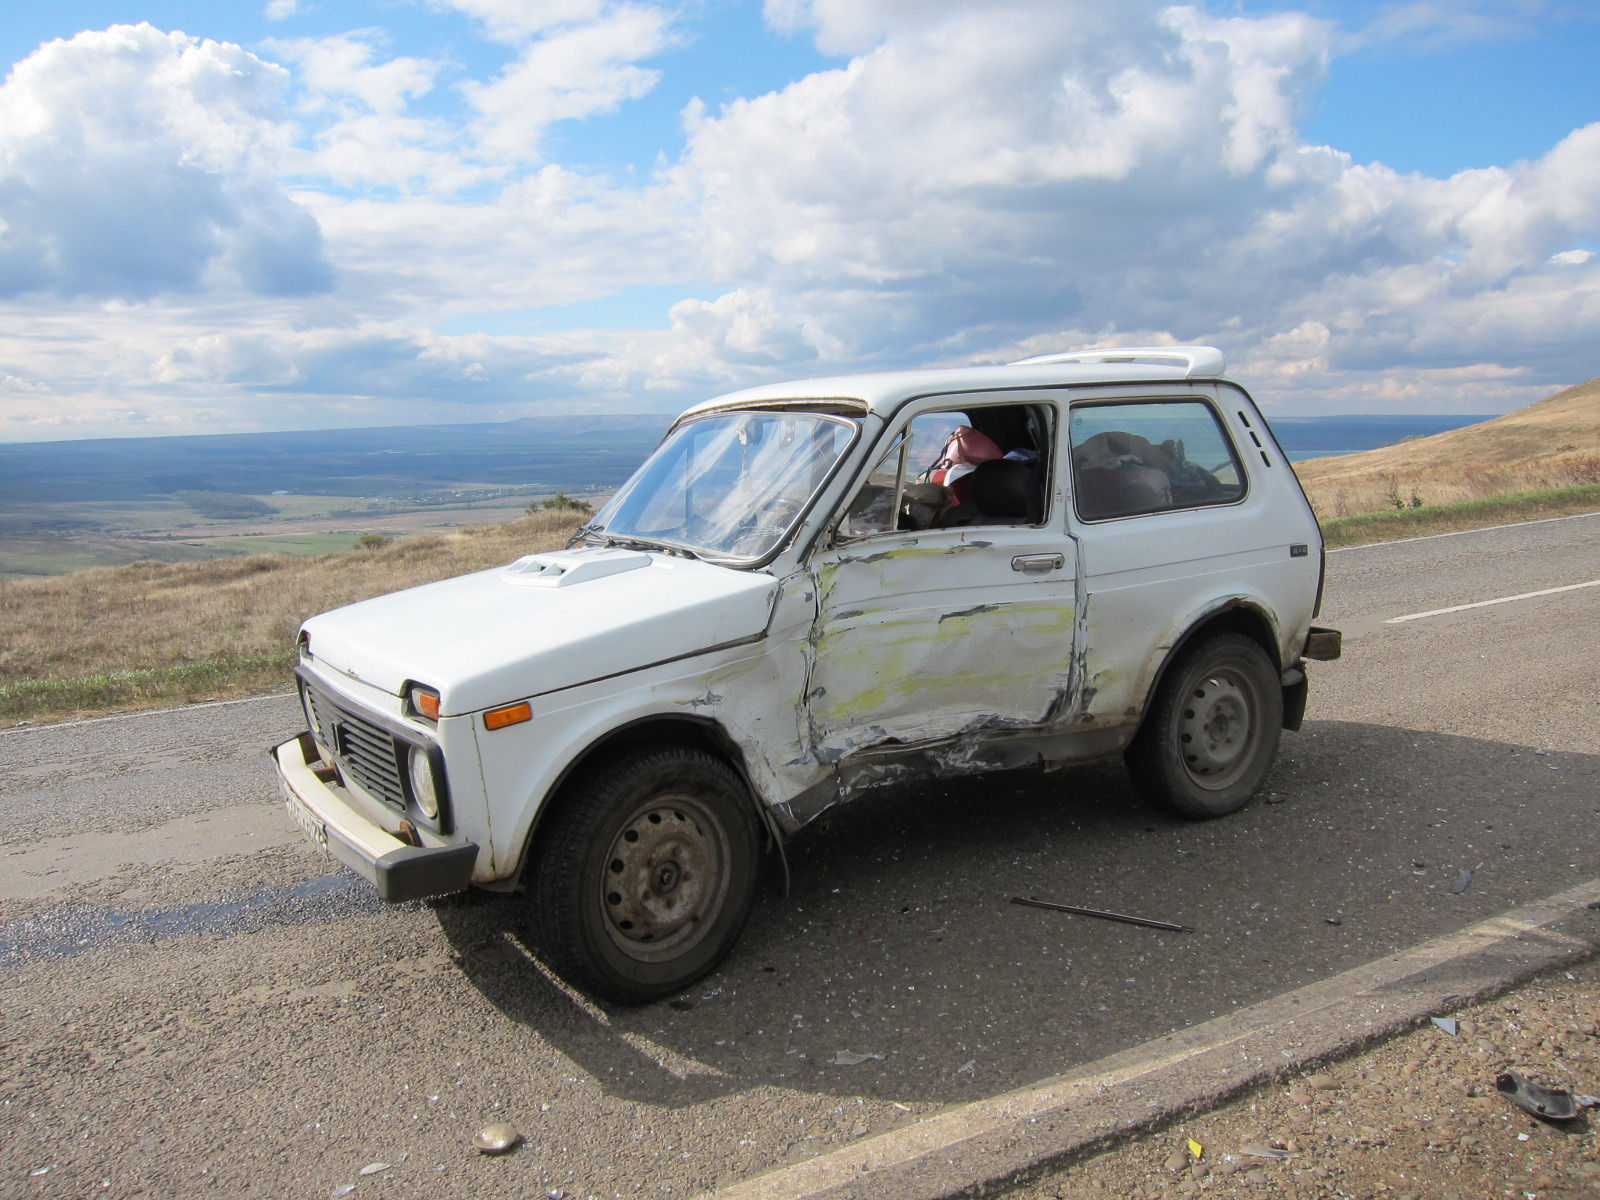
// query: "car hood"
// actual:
[[545, 622]]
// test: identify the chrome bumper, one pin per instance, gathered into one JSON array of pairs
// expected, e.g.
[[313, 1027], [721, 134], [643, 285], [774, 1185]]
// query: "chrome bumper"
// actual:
[[398, 870]]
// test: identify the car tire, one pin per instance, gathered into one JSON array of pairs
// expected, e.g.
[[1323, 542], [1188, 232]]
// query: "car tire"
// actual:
[[644, 874], [1209, 737]]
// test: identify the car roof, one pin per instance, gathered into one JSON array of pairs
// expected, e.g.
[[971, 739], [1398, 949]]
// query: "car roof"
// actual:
[[883, 391]]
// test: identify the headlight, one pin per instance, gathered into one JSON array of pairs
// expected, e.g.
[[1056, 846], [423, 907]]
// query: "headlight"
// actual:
[[424, 789]]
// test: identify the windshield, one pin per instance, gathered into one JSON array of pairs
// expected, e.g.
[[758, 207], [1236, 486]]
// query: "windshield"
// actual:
[[728, 485]]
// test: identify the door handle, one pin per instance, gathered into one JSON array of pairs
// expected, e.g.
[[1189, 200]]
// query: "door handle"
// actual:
[[1038, 564]]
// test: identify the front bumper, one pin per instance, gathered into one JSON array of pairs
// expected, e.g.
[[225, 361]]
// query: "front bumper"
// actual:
[[398, 870]]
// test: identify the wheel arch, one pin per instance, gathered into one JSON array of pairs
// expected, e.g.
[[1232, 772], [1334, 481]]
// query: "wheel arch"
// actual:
[[1239, 615], [667, 729]]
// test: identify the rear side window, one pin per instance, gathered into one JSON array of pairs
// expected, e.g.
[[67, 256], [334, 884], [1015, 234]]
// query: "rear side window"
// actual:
[[1154, 456]]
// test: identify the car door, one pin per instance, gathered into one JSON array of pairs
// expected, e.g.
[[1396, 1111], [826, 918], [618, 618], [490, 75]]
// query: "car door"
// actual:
[[941, 619]]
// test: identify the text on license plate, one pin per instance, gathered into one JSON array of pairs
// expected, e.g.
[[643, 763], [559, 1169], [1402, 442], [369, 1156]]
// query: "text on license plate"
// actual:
[[310, 824]]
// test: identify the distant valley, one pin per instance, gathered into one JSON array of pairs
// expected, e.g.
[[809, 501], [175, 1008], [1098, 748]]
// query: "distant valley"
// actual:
[[65, 506]]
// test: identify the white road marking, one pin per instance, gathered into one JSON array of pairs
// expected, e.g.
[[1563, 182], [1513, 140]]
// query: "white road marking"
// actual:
[[1455, 608]]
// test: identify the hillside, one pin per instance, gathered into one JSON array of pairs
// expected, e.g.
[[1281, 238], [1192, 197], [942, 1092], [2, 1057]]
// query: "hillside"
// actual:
[[1553, 443], [157, 633]]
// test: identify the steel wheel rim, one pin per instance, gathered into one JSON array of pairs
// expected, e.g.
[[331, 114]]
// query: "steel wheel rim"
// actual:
[[664, 879], [1218, 728]]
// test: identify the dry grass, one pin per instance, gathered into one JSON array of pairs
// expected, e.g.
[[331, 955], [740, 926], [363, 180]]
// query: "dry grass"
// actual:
[[162, 633], [1360, 529], [1549, 445]]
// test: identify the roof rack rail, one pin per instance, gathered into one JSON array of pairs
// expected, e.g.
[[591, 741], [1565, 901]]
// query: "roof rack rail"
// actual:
[[1198, 362]]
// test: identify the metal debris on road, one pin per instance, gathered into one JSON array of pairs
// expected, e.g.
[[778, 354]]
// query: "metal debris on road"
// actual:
[[1550, 1104], [1103, 915], [1448, 1024], [1258, 1150], [849, 1058]]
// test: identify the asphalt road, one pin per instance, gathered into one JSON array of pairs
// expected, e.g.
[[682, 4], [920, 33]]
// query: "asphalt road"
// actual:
[[194, 1001]]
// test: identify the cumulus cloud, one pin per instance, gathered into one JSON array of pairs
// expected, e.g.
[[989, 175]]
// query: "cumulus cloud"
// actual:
[[992, 175], [567, 73], [134, 163], [966, 181], [516, 20], [965, 185], [356, 107]]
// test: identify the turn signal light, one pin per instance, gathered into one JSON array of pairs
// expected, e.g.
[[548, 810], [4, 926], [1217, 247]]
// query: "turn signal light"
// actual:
[[511, 714], [426, 703]]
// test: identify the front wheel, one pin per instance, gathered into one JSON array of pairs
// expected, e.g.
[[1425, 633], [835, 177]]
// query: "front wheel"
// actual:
[[644, 874], [1208, 739]]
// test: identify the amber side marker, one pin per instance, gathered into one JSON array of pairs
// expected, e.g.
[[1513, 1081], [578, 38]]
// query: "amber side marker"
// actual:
[[511, 714]]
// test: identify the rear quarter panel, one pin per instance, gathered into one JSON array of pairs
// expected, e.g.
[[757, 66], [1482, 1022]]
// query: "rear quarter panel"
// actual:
[[1151, 579]]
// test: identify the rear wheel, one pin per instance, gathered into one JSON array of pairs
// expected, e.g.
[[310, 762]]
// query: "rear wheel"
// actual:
[[1211, 734], [644, 874]]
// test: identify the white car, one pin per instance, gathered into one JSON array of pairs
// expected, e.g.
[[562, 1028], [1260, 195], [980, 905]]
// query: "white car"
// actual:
[[809, 589]]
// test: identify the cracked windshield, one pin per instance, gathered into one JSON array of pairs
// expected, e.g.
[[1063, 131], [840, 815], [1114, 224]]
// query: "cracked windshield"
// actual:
[[728, 485]]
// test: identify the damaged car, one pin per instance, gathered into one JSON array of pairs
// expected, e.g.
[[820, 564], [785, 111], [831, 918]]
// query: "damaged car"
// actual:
[[809, 590]]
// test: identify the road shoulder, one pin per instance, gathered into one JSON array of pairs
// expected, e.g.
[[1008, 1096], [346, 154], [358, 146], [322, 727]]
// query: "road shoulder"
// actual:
[[982, 1147]]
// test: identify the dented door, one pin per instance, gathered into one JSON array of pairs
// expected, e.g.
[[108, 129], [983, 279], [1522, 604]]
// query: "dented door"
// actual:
[[924, 636]]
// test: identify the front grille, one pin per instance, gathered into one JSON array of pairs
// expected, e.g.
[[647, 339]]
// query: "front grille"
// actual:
[[367, 753]]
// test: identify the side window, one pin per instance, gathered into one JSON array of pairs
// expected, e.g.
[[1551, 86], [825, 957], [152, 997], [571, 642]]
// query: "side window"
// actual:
[[979, 466], [1149, 457], [872, 508]]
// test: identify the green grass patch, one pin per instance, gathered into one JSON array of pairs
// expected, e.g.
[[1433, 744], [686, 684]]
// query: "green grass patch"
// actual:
[[301, 545], [212, 678], [1389, 526]]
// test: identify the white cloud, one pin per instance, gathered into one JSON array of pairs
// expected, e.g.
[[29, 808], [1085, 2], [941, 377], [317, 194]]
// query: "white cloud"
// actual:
[[343, 65], [971, 185], [848, 27], [1440, 25], [987, 175], [134, 163], [570, 73], [356, 106], [965, 182], [516, 20]]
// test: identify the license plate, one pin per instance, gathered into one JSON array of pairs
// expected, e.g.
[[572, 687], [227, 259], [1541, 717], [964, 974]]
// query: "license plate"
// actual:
[[313, 826]]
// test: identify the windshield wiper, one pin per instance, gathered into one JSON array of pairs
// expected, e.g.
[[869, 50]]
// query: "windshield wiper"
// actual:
[[596, 535], [621, 542], [590, 533]]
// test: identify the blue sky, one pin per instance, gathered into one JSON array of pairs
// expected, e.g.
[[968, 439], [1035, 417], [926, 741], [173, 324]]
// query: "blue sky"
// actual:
[[307, 213]]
